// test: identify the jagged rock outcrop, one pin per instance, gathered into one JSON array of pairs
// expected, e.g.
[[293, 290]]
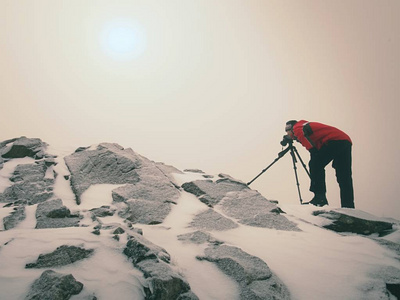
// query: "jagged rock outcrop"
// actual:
[[52, 285], [148, 192], [163, 282], [16, 216], [108, 163], [255, 279], [210, 192], [53, 214], [62, 256], [343, 220], [30, 185], [236, 201]]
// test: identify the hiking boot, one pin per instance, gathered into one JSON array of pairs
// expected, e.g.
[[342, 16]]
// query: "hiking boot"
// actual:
[[319, 200]]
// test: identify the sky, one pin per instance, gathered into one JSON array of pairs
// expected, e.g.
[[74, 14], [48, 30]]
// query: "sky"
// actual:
[[313, 263], [210, 85]]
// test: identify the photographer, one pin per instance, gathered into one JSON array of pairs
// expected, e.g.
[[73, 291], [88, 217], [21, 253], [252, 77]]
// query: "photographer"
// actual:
[[326, 144]]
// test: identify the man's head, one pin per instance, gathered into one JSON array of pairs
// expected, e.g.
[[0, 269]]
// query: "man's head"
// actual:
[[289, 128]]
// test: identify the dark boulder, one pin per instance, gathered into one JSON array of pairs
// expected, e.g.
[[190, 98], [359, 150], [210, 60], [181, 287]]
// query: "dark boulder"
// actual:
[[63, 255], [53, 214], [54, 286], [24, 146], [347, 220]]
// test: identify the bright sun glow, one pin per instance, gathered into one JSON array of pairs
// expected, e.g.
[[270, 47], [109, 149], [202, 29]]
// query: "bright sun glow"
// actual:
[[123, 40]]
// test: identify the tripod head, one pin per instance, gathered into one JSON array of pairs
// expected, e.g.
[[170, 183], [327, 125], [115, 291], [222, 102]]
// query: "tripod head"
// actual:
[[286, 140]]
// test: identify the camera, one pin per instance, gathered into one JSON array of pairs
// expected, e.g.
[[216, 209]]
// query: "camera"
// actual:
[[286, 140]]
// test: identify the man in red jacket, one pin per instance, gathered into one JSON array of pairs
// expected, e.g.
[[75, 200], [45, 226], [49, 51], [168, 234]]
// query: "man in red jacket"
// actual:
[[326, 144]]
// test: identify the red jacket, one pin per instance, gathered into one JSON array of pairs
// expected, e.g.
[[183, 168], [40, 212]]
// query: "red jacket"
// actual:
[[314, 135]]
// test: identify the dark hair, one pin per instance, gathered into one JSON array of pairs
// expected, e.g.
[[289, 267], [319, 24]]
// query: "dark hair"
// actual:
[[290, 124]]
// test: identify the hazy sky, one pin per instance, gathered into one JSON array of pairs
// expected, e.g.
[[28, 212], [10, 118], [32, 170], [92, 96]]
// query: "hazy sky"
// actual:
[[210, 84]]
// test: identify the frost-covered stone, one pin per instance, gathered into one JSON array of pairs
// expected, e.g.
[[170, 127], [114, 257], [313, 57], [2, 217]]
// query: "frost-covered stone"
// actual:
[[53, 214], [138, 248], [347, 220], [251, 208], [197, 237], [210, 192], [63, 255], [255, 279], [145, 212], [30, 185], [162, 281], [107, 164], [52, 285], [211, 220], [16, 216], [148, 191]]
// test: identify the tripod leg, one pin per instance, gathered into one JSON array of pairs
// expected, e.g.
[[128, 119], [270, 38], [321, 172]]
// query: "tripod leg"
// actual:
[[295, 174], [303, 164]]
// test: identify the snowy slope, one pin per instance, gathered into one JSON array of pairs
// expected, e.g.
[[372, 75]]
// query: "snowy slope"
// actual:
[[314, 263]]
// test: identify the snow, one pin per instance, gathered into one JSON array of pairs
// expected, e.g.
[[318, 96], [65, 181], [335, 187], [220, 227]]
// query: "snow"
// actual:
[[314, 263]]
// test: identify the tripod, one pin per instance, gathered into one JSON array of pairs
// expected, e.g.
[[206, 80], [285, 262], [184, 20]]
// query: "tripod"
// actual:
[[293, 152]]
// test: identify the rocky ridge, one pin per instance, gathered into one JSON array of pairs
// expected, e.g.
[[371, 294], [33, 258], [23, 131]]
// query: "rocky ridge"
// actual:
[[146, 195]]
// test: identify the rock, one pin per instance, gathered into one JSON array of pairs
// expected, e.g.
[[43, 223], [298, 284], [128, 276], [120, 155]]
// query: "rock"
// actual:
[[151, 188], [163, 282], [138, 249], [211, 220], [251, 208], [347, 220], [16, 216], [62, 256], [23, 147], [197, 237], [30, 185], [194, 171], [104, 211], [255, 279], [52, 285], [52, 214], [145, 212], [119, 230], [108, 164], [149, 200], [211, 193]]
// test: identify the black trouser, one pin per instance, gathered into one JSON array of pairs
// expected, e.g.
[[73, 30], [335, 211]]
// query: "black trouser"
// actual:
[[340, 153]]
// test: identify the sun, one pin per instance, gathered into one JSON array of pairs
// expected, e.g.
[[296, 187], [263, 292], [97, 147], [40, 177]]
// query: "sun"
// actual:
[[123, 39]]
